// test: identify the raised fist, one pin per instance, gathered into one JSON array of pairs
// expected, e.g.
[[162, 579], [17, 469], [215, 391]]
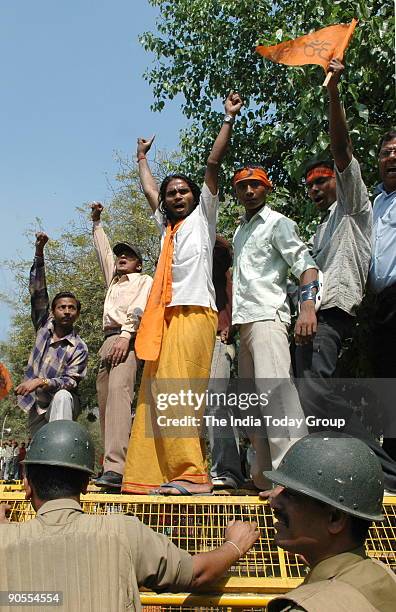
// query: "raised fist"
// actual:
[[41, 241], [233, 104], [96, 211], [144, 146]]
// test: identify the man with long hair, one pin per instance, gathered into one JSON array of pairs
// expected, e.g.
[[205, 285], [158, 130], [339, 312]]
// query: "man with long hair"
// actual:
[[178, 329]]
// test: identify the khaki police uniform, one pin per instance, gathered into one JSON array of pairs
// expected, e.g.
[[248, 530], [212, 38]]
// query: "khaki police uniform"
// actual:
[[348, 582], [97, 562]]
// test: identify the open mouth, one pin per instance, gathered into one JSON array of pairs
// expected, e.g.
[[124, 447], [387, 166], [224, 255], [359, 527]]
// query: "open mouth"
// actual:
[[179, 206], [391, 170]]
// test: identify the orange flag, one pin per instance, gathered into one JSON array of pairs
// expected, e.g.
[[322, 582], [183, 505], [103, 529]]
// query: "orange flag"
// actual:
[[316, 48], [5, 381]]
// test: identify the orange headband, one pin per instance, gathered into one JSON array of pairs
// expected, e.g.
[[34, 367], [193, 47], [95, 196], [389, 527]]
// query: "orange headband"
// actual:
[[253, 174], [318, 172]]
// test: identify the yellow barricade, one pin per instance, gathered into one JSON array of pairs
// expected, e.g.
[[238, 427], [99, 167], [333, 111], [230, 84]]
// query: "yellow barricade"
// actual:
[[197, 524]]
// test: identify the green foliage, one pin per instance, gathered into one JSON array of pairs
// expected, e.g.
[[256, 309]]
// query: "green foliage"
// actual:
[[71, 265], [205, 48]]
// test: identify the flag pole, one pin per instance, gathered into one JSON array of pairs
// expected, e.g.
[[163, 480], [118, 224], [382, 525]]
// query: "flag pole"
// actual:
[[348, 37], [327, 79]]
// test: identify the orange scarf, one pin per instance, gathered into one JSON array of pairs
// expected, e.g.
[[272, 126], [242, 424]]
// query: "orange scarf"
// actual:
[[149, 336]]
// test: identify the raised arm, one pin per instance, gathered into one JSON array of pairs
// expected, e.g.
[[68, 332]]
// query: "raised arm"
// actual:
[[102, 244], [340, 141], [232, 106], [39, 300], [148, 182]]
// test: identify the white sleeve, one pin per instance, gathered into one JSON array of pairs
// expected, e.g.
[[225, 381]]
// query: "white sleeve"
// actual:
[[209, 205]]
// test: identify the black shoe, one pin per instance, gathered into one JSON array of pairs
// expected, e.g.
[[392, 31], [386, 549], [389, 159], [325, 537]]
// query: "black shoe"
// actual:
[[109, 479]]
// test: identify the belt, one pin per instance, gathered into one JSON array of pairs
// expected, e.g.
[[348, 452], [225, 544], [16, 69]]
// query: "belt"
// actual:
[[113, 331]]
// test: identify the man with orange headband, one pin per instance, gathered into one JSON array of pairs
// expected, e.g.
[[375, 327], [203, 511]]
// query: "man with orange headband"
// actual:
[[342, 250], [266, 246]]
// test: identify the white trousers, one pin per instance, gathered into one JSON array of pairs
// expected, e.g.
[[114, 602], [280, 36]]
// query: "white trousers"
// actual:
[[61, 406], [264, 356]]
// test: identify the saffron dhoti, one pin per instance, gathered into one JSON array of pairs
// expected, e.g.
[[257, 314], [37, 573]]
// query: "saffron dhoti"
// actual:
[[154, 457]]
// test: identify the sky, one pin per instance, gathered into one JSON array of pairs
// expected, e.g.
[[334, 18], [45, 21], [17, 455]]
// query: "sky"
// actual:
[[73, 95]]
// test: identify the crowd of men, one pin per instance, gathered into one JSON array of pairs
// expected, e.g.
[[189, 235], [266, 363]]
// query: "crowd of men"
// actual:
[[329, 486], [182, 322], [12, 454]]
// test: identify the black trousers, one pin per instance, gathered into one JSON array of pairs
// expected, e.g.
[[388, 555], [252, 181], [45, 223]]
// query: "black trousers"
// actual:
[[383, 346], [316, 365]]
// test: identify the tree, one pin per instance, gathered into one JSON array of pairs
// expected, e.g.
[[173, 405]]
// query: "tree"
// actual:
[[205, 48], [71, 265]]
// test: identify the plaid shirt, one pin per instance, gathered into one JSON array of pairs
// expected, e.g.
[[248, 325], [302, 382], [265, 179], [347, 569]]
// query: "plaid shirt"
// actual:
[[62, 362]]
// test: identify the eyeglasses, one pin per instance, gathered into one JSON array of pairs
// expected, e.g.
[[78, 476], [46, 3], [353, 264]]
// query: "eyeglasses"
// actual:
[[385, 153]]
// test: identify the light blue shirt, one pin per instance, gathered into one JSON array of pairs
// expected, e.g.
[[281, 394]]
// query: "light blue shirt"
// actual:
[[265, 248], [383, 263]]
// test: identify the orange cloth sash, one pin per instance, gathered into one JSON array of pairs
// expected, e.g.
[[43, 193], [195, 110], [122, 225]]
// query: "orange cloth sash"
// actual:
[[149, 336], [252, 174]]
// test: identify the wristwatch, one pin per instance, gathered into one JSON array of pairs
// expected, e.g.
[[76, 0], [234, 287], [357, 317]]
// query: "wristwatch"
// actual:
[[229, 119], [45, 382]]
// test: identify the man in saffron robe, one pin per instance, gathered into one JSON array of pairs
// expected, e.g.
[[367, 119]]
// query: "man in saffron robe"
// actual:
[[178, 329]]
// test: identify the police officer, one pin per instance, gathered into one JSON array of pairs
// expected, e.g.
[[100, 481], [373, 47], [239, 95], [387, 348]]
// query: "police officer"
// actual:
[[328, 491], [95, 562]]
